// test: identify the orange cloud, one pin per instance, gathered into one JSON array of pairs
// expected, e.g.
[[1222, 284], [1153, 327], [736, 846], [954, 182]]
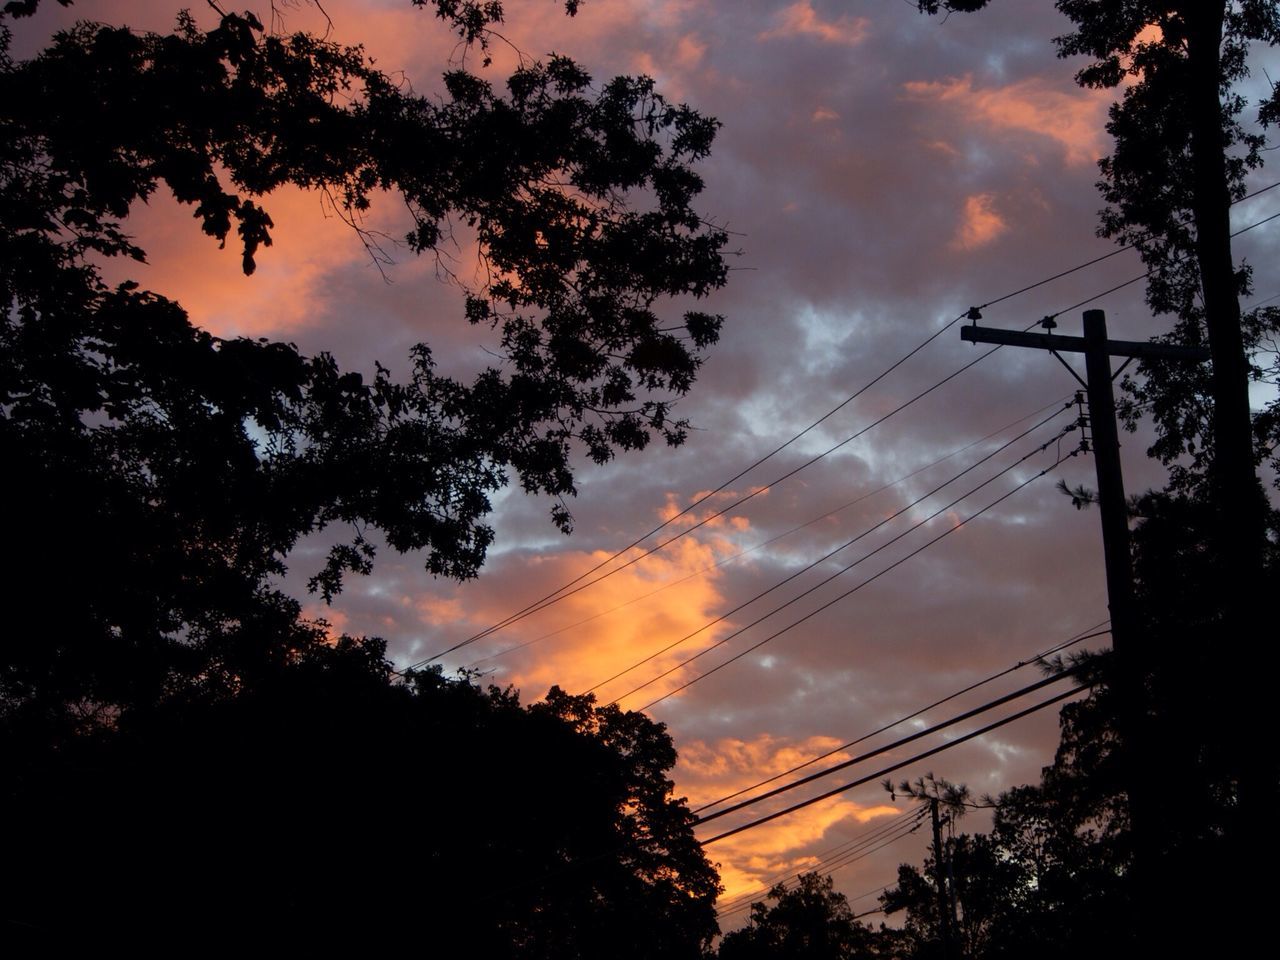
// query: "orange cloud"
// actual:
[[942, 146], [439, 611], [707, 505], [824, 113], [1073, 120], [283, 295], [705, 772], [603, 645], [597, 632], [980, 224], [689, 51], [801, 20]]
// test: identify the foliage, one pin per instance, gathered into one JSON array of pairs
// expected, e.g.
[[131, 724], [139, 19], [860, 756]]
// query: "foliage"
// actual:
[[1053, 877], [1205, 549], [330, 807], [953, 798], [167, 472], [807, 921], [1180, 70], [1048, 878], [1154, 195]]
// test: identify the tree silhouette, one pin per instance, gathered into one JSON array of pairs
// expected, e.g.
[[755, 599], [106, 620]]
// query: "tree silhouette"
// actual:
[[1054, 876], [165, 474], [806, 921], [1181, 157], [330, 808]]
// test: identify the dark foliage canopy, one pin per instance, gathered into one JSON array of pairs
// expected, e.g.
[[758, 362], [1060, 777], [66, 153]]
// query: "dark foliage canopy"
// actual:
[[1184, 143], [807, 921], [330, 809], [1054, 877], [1184, 146], [164, 474]]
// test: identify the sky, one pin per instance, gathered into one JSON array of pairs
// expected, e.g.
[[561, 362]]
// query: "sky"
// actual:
[[881, 172]]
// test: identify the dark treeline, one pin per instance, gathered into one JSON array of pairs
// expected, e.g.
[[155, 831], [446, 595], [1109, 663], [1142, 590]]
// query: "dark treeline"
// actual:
[[1054, 877], [188, 763], [330, 808]]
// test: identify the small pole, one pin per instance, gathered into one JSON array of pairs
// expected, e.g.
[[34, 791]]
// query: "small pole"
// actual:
[[940, 880]]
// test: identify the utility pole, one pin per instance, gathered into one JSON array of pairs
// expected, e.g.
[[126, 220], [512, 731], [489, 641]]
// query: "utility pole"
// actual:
[[1127, 645], [1098, 350], [940, 882]]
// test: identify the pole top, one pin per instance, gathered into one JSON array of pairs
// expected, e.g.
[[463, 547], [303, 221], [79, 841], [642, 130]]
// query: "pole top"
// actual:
[[1095, 326]]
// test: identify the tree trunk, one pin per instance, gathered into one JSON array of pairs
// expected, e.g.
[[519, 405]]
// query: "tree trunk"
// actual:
[[1234, 480], [1238, 498]]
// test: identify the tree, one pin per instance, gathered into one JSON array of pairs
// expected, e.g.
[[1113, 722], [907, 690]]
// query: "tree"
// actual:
[[167, 473], [1055, 875], [332, 809], [807, 921], [1052, 876], [1181, 157]]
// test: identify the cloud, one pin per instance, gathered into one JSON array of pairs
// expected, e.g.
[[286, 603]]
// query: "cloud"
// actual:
[[1074, 119], [287, 292], [753, 859], [627, 616], [801, 20], [980, 224]]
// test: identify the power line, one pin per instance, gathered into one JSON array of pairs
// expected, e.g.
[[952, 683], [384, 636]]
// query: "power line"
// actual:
[[857, 842], [854, 589], [831, 553], [862, 896], [769, 542], [910, 738], [824, 868], [1106, 256], [1143, 276], [849, 848], [578, 586], [560, 593], [896, 766], [1087, 634]]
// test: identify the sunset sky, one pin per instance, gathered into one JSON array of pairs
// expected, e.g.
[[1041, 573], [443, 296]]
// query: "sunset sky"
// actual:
[[881, 171]]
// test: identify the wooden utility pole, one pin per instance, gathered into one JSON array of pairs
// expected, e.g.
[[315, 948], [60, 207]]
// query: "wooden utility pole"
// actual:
[[1098, 350], [945, 927], [1126, 638]]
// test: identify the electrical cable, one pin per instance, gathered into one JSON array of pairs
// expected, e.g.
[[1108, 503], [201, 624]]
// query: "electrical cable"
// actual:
[[578, 586], [857, 843], [831, 553], [766, 543], [1143, 276], [1086, 634], [896, 766], [1106, 256], [576, 583], [852, 590], [827, 869], [822, 870], [908, 821], [910, 738]]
